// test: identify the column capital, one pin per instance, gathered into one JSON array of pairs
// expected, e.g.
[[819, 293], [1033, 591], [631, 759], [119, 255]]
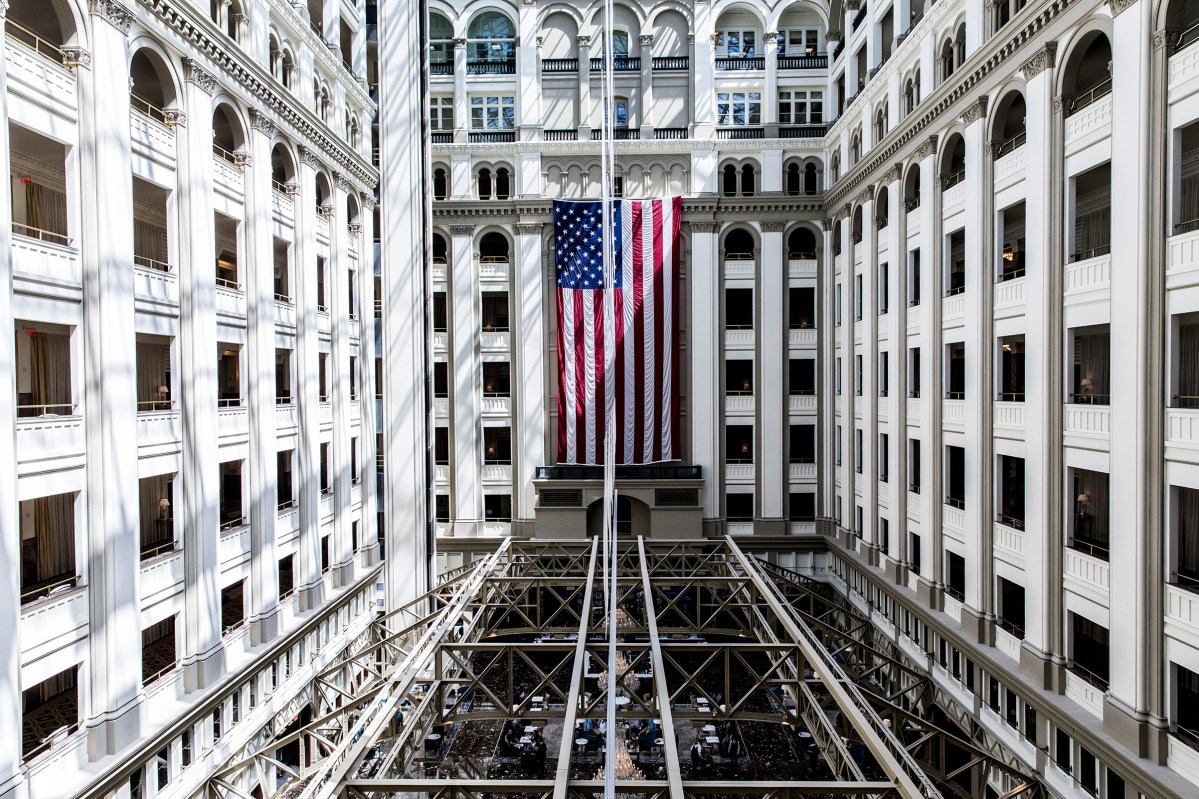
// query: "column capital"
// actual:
[[342, 182], [865, 196], [826, 224], [462, 230], [193, 72], [927, 148], [531, 229], [770, 37], [895, 174], [3, 9], [460, 44], [583, 41], [852, 5], [704, 227], [173, 117], [1166, 37], [773, 227], [646, 39], [690, 38], [1043, 59], [114, 12], [975, 111], [308, 157], [368, 202], [261, 122], [73, 57], [714, 38], [833, 36], [1119, 6]]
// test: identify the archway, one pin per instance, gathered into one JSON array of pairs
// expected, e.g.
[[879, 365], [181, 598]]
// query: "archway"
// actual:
[[632, 517]]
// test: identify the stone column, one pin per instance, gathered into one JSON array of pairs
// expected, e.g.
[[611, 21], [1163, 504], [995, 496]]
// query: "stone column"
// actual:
[[203, 656], [586, 106], [461, 99], [771, 374], [306, 479], [368, 267], [932, 444], [263, 599], [895, 234], [707, 354], [528, 73], [770, 115], [11, 779], [330, 23], [531, 447], [341, 551], [646, 40], [826, 374], [868, 403], [113, 713], [466, 382], [703, 72]]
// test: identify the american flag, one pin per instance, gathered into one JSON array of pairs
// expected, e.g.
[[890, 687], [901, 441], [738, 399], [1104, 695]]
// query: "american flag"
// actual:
[[645, 330]]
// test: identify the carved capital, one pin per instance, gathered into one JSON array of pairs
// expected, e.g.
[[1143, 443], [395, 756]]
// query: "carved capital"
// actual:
[[114, 12], [853, 5], [531, 229], [827, 223], [1043, 59], [770, 37], [291, 189], [911, 204], [528, 2], [261, 122], [1119, 6], [975, 111], [3, 9], [895, 174], [73, 57], [1059, 103], [460, 44], [368, 202], [583, 41], [173, 117], [773, 227], [705, 227], [646, 39], [342, 182], [194, 73], [241, 159], [462, 230], [690, 38], [325, 210], [354, 228], [1166, 37], [714, 38], [865, 196], [927, 148], [834, 36], [308, 157]]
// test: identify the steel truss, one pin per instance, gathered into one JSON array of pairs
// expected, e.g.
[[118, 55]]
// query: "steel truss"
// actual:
[[521, 635]]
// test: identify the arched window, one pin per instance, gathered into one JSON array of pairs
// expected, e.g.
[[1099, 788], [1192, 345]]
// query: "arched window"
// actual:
[[953, 170], [793, 180], [283, 169], [491, 37], [1182, 15], [493, 248], [440, 184], [836, 166], [801, 245], [484, 184], [441, 43], [230, 17], [855, 147], [909, 97], [1009, 132], [947, 59], [228, 139], [739, 245], [439, 249], [151, 89], [747, 180], [290, 71], [855, 231], [324, 194], [503, 184], [911, 188], [880, 124], [810, 185], [1087, 75], [728, 184], [882, 208], [35, 23]]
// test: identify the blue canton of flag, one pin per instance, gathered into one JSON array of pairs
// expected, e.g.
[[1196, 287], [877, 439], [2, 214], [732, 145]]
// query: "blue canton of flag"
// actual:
[[578, 239]]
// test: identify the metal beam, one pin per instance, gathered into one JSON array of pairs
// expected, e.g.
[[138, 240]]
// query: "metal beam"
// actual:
[[670, 748]]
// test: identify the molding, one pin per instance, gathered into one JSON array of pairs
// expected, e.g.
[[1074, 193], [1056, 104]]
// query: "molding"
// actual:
[[927, 148], [367, 200], [975, 111], [705, 227], [533, 229], [261, 122], [193, 72], [343, 183], [76, 57], [114, 12], [1166, 37], [646, 39], [462, 230], [773, 227], [1119, 6], [309, 157], [656, 147], [1043, 59]]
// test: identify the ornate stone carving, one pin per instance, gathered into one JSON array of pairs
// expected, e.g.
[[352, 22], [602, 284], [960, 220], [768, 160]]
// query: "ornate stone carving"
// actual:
[[114, 12], [528, 2], [326, 211], [540, 40], [354, 228], [1059, 103], [583, 41], [690, 38], [308, 157], [194, 73], [241, 159], [975, 111], [1119, 6], [705, 227], [1043, 59], [368, 202], [834, 36], [460, 44], [866, 195], [76, 57], [927, 148], [770, 37], [173, 117], [646, 39], [773, 227], [714, 38], [896, 174], [3, 9], [342, 182], [261, 122], [853, 5], [1166, 37], [827, 223], [462, 230], [911, 204], [291, 189], [531, 229]]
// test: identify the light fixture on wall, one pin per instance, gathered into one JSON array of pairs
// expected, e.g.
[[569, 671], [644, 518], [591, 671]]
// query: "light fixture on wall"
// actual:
[[1087, 384], [164, 509]]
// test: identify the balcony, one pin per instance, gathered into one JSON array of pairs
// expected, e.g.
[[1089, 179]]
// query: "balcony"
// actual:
[[619, 64], [441, 67], [739, 473], [159, 430], [740, 62], [37, 69], [1088, 117], [953, 413], [497, 473], [491, 66], [48, 441], [670, 63], [618, 134], [495, 341], [1087, 575], [1182, 428], [803, 62], [802, 131], [557, 66], [560, 134], [227, 175], [1009, 298], [1088, 278], [1009, 419], [45, 262], [1010, 544], [55, 622], [233, 424], [739, 404], [1087, 425], [670, 134], [492, 136], [152, 134], [496, 405], [493, 267], [740, 133]]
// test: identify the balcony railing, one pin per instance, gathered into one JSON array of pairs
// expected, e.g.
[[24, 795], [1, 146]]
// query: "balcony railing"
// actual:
[[619, 134], [154, 550], [230, 524], [1094, 252], [740, 132], [618, 64], [150, 263], [41, 235], [803, 61], [858, 17], [46, 409], [50, 587], [1010, 396], [437, 137], [669, 63], [488, 66], [1188, 581], [1086, 674], [1011, 627], [802, 131], [226, 283], [235, 159], [1072, 105], [1008, 520], [1090, 399], [150, 406], [147, 108], [560, 134], [741, 62], [1088, 547], [559, 65], [622, 473], [670, 133], [952, 179], [229, 402], [441, 67], [492, 136], [1003, 148], [956, 502], [18, 33], [1184, 401]]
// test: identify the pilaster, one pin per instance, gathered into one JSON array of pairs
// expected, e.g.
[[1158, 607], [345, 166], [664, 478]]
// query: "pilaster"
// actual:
[[706, 354], [528, 373], [466, 382], [771, 368]]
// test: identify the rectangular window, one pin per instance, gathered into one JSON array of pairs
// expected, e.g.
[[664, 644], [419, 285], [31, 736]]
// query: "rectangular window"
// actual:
[[883, 288], [914, 552], [441, 112], [731, 43], [492, 113], [738, 108], [798, 41], [955, 566], [801, 108]]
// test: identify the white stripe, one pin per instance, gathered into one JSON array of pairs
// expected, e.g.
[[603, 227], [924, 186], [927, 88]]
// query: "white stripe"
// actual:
[[630, 340], [589, 371], [667, 316], [569, 392], [649, 311]]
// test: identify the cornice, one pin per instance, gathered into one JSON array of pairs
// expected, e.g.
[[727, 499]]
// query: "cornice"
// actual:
[[301, 30], [635, 147], [531, 229], [948, 96], [261, 122], [777, 207], [114, 12], [283, 106]]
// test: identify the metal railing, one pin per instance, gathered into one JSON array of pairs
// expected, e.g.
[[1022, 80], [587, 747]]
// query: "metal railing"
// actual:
[[1010, 627], [61, 734], [492, 136], [44, 409], [149, 406], [1082, 671], [1003, 148], [1010, 521], [740, 133], [814, 131], [859, 17], [155, 550], [952, 179], [1189, 401], [55, 586], [802, 392], [619, 64], [1186, 581], [229, 402], [955, 395], [234, 159], [149, 678], [41, 235], [441, 67], [1090, 399], [146, 108], [1073, 104], [283, 399], [914, 488], [802, 61], [232, 524], [738, 256], [19, 33], [487, 66], [559, 65], [1091, 548], [286, 504], [956, 502], [226, 283], [151, 263], [953, 291], [1010, 396], [664, 63], [1094, 252], [283, 298], [669, 134], [741, 62]]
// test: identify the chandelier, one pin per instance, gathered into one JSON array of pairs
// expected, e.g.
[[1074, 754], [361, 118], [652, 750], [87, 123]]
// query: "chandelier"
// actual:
[[629, 682], [623, 767]]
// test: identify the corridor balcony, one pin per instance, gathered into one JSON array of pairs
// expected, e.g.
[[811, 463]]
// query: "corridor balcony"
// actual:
[[228, 179], [48, 441], [45, 263], [54, 622], [152, 135], [38, 70], [159, 430]]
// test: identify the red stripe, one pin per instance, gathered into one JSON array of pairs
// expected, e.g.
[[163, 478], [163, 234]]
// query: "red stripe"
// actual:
[[562, 455], [601, 404], [580, 397], [659, 339], [618, 371], [676, 436], [635, 241]]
